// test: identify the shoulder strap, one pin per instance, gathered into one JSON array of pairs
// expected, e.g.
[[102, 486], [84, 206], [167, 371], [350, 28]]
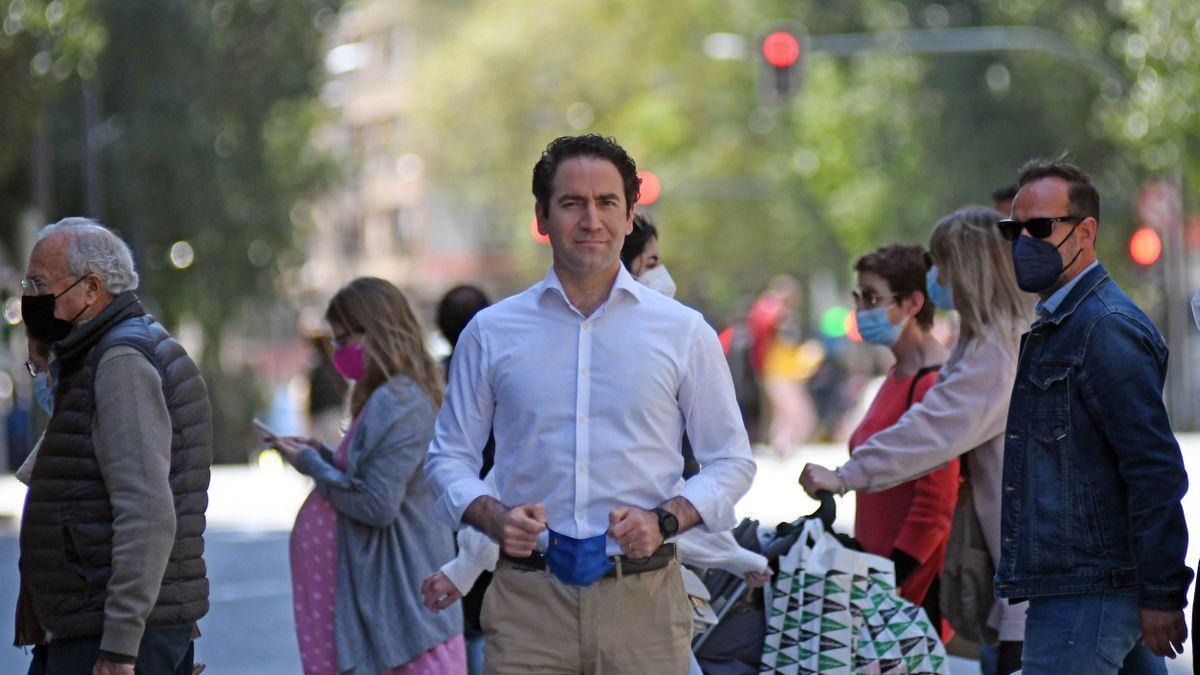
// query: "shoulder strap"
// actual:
[[912, 389]]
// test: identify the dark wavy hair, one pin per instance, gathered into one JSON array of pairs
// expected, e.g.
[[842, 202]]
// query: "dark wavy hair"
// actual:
[[904, 266], [635, 241], [457, 308], [587, 145]]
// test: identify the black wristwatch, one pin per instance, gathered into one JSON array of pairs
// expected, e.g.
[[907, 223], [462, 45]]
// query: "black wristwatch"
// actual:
[[668, 524]]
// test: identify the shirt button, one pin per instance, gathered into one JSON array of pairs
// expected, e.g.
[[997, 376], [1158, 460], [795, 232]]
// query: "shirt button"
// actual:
[[583, 418], [583, 371]]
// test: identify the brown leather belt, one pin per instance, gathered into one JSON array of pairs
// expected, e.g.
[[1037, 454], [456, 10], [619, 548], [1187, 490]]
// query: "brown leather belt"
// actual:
[[622, 565]]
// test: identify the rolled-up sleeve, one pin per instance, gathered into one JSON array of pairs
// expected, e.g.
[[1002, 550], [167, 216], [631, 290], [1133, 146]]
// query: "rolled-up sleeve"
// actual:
[[714, 427], [463, 425]]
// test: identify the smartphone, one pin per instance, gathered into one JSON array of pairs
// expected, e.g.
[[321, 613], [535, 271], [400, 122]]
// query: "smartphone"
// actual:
[[263, 428]]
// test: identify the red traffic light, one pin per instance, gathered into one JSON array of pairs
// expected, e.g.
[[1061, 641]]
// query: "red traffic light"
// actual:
[[781, 49], [651, 188], [1145, 247]]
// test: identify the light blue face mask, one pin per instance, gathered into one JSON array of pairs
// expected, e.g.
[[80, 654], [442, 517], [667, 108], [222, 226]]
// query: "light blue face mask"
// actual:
[[941, 295], [577, 562], [874, 327], [42, 393]]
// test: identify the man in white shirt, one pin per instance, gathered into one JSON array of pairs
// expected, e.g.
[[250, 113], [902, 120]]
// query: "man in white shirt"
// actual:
[[589, 381]]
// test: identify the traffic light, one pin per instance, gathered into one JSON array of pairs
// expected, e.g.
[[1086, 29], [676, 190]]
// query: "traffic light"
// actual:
[[783, 61], [1145, 247]]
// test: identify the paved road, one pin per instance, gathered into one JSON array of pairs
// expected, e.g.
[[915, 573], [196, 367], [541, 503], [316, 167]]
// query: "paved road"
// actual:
[[250, 629]]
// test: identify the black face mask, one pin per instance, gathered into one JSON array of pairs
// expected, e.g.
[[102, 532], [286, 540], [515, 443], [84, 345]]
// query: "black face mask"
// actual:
[[37, 312]]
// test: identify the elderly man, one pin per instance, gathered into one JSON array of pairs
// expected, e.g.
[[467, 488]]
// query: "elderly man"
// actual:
[[589, 380], [111, 537]]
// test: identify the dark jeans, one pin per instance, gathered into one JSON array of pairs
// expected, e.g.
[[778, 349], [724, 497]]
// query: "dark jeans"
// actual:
[[163, 651]]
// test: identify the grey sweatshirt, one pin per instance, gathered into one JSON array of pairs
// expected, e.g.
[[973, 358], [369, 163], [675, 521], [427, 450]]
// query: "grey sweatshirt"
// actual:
[[131, 432]]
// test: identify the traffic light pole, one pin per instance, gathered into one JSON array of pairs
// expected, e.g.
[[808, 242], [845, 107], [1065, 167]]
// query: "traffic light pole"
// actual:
[[966, 41]]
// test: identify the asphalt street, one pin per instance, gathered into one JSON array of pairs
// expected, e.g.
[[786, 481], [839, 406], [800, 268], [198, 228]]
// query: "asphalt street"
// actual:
[[250, 629]]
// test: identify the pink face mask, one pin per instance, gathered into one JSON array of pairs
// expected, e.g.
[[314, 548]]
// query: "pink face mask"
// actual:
[[350, 361]]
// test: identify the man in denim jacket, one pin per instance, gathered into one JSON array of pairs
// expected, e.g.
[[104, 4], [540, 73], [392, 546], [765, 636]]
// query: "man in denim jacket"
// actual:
[[1093, 532]]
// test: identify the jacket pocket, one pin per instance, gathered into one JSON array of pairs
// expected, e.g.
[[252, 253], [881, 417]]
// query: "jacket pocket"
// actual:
[[1090, 523], [71, 553]]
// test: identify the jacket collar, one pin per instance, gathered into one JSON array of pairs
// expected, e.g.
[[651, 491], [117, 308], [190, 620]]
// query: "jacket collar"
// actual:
[[1082, 289], [85, 336]]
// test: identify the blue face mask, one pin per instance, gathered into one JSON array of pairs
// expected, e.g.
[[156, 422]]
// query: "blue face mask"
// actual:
[[577, 562], [42, 393], [1037, 263], [874, 327], [941, 295]]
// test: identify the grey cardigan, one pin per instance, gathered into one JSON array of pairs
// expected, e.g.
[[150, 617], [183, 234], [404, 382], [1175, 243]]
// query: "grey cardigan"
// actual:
[[388, 539]]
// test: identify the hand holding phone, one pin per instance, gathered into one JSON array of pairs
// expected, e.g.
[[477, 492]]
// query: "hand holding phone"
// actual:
[[265, 430]]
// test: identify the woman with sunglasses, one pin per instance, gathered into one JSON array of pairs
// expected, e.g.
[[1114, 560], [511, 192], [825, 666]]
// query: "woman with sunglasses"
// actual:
[[367, 535], [910, 522], [966, 411]]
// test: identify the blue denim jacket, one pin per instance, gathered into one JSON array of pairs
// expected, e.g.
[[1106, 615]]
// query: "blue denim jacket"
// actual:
[[1093, 476]]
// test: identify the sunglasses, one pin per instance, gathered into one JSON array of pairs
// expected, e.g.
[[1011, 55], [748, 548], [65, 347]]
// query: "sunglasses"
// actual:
[[1038, 228], [869, 299]]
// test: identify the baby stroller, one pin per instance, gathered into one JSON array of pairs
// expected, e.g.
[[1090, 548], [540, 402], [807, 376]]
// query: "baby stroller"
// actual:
[[830, 608]]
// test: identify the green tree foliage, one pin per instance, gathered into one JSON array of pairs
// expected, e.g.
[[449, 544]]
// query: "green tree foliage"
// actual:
[[206, 110], [874, 148]]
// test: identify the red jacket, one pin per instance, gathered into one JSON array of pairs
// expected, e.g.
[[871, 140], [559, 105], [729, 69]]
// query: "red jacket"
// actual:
[[914, 516]]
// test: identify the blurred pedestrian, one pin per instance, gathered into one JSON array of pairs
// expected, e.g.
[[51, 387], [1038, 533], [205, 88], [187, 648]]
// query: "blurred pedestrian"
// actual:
[[112, 533], [1002, 199], [366, 536], [640, 254], [964, 413], [326, 392], [38, 365], [910, 522], [589, 380], [454, 311], [1094, 529]]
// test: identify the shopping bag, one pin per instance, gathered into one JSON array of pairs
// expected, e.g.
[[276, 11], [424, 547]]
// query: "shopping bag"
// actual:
[[834, 610]]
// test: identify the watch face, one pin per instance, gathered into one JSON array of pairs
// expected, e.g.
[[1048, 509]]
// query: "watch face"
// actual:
[[667, 523]]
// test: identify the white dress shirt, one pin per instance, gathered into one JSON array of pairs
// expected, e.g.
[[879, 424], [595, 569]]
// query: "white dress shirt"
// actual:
[[589, 412]]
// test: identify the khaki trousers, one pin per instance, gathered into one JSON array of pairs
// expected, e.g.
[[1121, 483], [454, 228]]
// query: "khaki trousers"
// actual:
[[533, 623]]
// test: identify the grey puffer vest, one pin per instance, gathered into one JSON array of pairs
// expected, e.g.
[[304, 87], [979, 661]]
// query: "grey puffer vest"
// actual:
[[66, 530]]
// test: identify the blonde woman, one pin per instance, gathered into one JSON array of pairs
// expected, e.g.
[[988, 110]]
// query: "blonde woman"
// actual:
[[367, 535], [965, 412]]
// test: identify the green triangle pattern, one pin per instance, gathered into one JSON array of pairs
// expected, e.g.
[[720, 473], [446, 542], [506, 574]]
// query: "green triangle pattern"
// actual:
[[826, 662], [829, 625]]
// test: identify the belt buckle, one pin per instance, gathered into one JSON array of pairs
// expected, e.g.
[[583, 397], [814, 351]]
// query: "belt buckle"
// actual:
[[617, 566]]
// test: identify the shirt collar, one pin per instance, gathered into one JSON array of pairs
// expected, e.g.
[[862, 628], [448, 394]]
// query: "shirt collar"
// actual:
[[624, 283], [1050, 305]]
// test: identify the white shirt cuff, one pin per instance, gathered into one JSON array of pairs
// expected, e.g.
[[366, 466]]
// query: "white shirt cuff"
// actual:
[[715, 509], [458, 496]]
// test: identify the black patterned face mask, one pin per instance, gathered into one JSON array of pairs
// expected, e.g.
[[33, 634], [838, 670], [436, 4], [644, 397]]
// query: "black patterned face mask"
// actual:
[[37, 313]]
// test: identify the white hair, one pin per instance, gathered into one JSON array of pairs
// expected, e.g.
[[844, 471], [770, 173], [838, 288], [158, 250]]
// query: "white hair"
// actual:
[[92, 248]]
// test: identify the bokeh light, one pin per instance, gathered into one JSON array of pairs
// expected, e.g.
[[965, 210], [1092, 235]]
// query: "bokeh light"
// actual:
[[182, 255]]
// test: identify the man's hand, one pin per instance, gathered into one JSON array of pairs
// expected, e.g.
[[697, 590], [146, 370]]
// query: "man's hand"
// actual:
[[518, 529], [1163, 632], [106, 667], [439, 592], [758, 579], [815, 478], [636, 530]]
